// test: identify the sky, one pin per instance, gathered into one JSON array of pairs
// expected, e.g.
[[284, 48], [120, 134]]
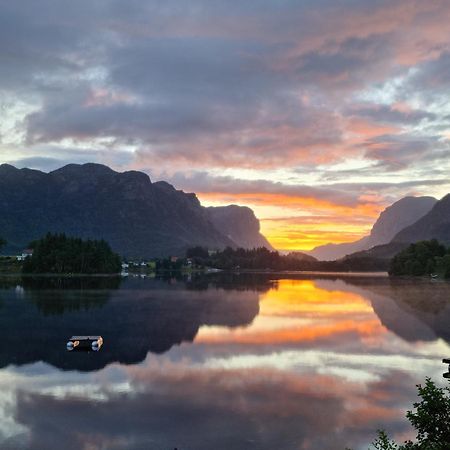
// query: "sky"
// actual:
[[316, 114]]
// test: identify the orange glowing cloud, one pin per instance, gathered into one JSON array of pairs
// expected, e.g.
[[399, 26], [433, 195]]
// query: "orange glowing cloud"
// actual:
[[330, 222]]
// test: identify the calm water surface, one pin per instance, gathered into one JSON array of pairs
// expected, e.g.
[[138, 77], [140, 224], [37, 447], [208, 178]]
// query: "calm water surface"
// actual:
[[220, 362]]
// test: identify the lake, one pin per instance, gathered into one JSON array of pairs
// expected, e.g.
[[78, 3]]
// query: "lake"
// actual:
[[219, 361]]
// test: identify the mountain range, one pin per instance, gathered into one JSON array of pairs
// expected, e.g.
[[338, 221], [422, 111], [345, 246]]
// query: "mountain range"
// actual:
[[139, 219], [389, 226], [142, 219]]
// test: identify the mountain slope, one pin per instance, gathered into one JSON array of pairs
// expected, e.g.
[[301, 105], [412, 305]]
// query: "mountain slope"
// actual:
[[394, 218], [239, 224], [435, 224], [137, 217]]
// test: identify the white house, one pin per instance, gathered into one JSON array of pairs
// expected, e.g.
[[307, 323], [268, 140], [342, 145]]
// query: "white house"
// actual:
[[25, 254]]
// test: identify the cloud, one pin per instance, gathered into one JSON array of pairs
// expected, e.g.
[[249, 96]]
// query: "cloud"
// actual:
[[393, 114], [202, 182], [400, 151], [276, 85]]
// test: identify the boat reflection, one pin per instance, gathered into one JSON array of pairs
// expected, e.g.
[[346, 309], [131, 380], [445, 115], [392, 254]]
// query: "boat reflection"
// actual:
[[143, 316], [226, 362]]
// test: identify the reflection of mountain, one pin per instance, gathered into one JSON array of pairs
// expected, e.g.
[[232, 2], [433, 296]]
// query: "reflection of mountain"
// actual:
[[415, 310], [142, 316]]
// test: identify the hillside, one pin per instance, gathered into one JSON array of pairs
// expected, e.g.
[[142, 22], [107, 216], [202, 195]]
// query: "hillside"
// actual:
[[434, 225], [136, 217], [239, 224], [392, 220]]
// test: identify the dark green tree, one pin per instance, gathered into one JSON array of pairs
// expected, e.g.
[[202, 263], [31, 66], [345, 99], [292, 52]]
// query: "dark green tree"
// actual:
[[57, 253], [2, 242], [430, 418], [421, 258]]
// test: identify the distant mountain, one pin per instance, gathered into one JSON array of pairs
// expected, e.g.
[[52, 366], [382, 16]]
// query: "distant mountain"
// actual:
[[384, 251], [239, 224], [137, 217], [435, 224], [392, 220], [302, 256]]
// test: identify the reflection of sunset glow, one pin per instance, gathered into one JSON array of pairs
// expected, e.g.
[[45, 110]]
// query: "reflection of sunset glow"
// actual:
[[304, 296], [301, 311], [295, 334]]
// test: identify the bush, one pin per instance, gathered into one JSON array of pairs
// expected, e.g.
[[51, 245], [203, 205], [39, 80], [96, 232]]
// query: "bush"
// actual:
[[431, 419]]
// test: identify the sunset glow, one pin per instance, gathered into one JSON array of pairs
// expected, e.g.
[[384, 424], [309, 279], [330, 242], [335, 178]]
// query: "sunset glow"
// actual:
[[316, 115]]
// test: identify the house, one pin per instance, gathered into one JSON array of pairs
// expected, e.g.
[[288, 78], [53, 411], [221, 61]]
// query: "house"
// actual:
[[25, 254], [173, 259]]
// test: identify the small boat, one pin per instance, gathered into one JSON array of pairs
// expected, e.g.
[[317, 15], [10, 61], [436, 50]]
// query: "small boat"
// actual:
[[84, 343]]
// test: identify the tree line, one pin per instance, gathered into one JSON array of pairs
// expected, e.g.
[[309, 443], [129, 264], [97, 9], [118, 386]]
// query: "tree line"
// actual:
[[422, 258], [58, 253], [262, 259]]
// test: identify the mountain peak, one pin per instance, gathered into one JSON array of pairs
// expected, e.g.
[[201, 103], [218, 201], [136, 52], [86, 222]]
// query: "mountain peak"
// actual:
[[8, 168], [393, 219], [433, 225], [139, 219], [88, 168]]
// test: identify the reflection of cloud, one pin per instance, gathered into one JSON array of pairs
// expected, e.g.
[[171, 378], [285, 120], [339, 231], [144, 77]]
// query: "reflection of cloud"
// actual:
[[316, 369], [198, 409]]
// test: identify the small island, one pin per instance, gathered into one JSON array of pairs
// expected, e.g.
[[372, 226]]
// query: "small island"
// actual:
[[60, 254]]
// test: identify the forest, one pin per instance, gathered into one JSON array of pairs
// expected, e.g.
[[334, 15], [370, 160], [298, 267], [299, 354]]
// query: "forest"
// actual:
[[58, 253], [422, 258]]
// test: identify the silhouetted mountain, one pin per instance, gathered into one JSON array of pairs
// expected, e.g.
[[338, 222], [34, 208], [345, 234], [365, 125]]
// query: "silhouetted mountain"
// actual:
[[385, 251], [239, 224], [137, 217], [393, 219], [302, 256], [434, 225]]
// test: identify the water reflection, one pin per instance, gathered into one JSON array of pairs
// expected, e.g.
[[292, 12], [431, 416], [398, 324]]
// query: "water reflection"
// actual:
[[416, 310], [142, 316], [264, 362], [203, 410], [54, 295]]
